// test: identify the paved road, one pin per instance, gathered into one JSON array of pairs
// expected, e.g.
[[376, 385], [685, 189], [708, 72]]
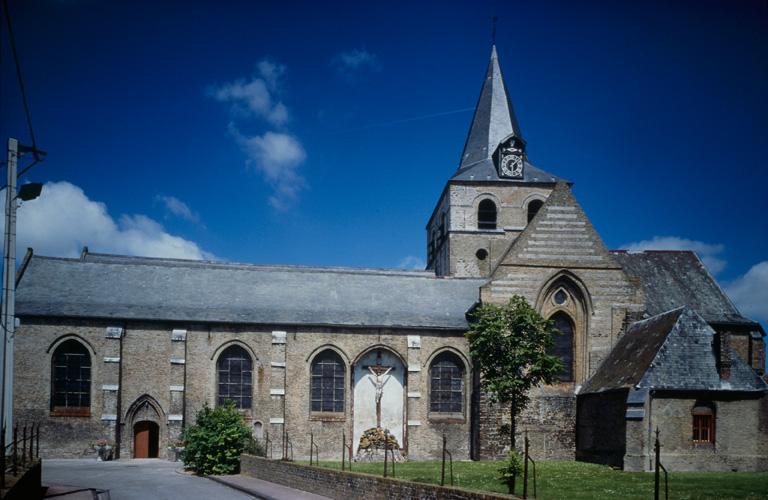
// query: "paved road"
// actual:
[[136, 480]]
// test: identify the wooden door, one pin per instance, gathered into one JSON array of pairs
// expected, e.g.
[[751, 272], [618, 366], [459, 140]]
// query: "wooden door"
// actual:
[[141, 432]]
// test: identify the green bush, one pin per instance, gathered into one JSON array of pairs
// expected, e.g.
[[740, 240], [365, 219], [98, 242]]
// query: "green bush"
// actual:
[[213, 445], [512, 468]]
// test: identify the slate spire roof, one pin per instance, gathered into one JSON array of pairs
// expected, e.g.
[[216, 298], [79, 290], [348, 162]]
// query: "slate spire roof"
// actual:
[[493, 122]]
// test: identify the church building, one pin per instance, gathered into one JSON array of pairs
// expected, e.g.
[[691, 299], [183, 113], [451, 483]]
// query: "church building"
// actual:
[[129, 349]]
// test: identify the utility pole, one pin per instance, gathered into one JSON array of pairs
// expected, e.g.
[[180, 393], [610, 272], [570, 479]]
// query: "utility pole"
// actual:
[[28, 192], [9, 290]]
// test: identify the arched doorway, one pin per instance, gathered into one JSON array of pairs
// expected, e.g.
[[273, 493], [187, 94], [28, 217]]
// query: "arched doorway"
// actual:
[[146, 438]]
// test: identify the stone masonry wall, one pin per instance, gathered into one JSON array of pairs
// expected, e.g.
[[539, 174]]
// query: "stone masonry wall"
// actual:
[[166, 373], [741, 433], [346, 485]]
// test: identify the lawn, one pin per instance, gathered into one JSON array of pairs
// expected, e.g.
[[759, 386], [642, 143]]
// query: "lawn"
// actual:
[[579, 480]]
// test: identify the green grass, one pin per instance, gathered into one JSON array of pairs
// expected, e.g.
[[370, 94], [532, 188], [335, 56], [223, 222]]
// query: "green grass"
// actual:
[[579, 480]]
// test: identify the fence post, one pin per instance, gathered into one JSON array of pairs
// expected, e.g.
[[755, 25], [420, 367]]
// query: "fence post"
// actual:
[[37, 442], [442, 468], [657, 449], [343, 448], [525, 468], [24, 444], [311, 446], [386, 452], [2, 458], [15, 448], [31, 442]]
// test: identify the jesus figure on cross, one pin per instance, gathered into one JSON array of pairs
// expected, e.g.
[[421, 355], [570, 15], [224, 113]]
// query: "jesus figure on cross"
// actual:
[[379, 377]]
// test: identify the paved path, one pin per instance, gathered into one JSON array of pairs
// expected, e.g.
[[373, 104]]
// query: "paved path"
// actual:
[[136, 480], [265, 489]]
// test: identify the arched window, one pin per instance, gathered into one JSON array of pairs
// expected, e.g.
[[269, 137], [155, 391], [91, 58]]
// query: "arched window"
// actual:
[[564, 344], [486, 215], [703, 423], [533, 209], [71, 367], [235, 371], [327, 385], [446, 384]]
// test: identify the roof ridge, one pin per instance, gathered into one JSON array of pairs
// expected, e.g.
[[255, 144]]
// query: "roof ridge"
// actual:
[[103, 258]]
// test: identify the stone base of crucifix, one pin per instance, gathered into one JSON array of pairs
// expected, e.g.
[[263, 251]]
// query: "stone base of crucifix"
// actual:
[[374, 443]]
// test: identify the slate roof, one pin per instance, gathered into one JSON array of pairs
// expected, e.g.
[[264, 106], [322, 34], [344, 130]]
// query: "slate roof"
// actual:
[[119, 287], [672, 279], [670, 351], [494, 120]]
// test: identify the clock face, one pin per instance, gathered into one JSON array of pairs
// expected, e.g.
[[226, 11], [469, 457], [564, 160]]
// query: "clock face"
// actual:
[[511, 164]]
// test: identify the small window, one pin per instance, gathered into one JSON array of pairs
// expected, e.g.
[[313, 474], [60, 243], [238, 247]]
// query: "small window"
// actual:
[[446, 394], [486, 215], [71, 366], [235, 370], [563, 347], [533, 209], [327, 386], [703, 423]]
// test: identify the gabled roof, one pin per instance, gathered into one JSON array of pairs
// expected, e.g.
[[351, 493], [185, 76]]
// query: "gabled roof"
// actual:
[[493, 122], [119, 287], [560, 235], [672, 279], [670, 351]]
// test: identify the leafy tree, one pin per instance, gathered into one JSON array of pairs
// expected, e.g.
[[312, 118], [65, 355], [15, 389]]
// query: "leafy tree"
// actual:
[[511, 344], [213, 445]]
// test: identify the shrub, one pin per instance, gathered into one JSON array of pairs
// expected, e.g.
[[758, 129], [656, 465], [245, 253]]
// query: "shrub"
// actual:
[[214, 443], [512, 468], [254, 447]]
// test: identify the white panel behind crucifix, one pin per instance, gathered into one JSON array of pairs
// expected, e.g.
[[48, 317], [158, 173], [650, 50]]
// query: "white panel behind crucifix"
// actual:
[[390, 383]]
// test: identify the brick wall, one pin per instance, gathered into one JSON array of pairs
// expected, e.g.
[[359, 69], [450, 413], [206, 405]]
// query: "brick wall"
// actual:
[[346, 485]]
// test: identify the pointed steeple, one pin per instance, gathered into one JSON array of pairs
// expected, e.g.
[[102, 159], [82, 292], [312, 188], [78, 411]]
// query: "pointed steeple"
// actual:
[[494, 124], [494, 118]]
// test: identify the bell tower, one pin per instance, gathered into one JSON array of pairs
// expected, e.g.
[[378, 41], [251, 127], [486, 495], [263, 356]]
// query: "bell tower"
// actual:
[[493, 194]]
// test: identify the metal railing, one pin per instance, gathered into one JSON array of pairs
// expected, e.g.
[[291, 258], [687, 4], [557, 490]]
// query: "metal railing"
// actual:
[[344, 450], [30, 449], [268, 447], [387, 450], [313, 447], [287, 448], [657, 449], [450, 457], [525, 470]]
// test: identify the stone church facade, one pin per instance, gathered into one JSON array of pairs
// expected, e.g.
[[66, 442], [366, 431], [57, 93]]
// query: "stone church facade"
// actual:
[[129, 349]]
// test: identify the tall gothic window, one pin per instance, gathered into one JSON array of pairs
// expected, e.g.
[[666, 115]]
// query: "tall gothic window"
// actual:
[[71, 367], [486, 215], [564, 344], [533, 209], [235, 371], [327, 382], [703, 423], [446, 384]]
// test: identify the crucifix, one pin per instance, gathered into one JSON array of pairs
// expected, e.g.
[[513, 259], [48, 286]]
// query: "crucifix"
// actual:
[[379, 377]]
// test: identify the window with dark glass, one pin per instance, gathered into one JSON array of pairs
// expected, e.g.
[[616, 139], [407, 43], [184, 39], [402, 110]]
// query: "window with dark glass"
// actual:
[[703, 424], [446, 389], [235, 370], [533, 209], [563, 347], [486, 215], [327, 384], [71, 376]]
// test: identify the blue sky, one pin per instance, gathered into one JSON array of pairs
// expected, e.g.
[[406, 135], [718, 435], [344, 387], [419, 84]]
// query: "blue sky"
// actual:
[[312, 133]]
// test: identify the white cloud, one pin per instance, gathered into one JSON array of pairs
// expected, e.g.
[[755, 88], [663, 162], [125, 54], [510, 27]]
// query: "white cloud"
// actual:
[[411, 262], [750, 292], [64, 219], [178, 208], [354, 60], [709, 253], [256, 96], [277, 156]]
